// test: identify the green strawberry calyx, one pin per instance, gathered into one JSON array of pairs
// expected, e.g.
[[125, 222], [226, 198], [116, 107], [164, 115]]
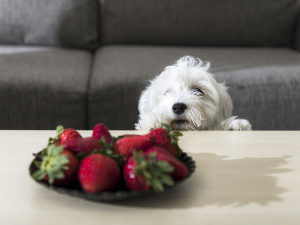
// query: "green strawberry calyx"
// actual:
[[156, 173], [174, 137], [173, 134], [110, 153], [59, 130], [52, 165]]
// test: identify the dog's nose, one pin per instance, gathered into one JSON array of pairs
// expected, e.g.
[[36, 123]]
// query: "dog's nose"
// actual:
[[178, 108]]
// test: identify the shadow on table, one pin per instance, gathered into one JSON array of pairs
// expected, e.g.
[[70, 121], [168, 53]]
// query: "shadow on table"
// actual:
[[222, 182]]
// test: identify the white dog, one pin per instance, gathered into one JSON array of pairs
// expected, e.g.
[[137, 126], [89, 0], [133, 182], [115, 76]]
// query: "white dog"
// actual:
[[187, 97]]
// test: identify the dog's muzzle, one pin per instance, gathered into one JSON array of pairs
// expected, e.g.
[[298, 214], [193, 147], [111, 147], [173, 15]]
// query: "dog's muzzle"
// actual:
[[179, 108]]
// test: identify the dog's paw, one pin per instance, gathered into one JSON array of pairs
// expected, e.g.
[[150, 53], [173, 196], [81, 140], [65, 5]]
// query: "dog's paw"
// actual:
[[240, 124], [236, 124]]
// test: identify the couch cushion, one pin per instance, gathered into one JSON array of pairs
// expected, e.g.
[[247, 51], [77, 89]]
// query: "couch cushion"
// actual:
[[43, 87], [199, 22], [42, 22], [263, 83]]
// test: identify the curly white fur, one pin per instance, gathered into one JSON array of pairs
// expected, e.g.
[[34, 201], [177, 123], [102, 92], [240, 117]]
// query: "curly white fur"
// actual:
[[208, 105]]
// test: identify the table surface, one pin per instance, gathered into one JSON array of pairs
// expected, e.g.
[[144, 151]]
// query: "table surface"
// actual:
[[241, 178]]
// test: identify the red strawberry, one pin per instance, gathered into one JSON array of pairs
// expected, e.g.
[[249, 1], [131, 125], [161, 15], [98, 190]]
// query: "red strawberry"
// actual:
[[167, 139], [163, 137], [134, 181], [126, 145], [58, 166], [63, 135], [98, 173], [100, 130], [86, 145], [68, 134], [142, 172], [180, 170]]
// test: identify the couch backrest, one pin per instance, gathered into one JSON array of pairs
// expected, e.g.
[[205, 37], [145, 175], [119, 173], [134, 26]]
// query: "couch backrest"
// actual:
[[71, 23], [199, 22], [297, 35]]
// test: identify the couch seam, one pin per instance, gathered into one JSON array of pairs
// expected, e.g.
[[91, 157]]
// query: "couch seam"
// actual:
[[87, 93]]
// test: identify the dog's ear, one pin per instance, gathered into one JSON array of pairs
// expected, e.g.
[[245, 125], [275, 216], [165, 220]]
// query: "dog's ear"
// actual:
[[225, 103]]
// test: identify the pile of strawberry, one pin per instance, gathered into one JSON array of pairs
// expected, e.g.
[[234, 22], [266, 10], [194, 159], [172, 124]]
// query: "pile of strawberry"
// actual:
[[100, 162]]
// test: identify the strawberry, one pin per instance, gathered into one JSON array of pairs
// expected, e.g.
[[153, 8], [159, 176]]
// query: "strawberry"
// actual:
[[63, 135], [126, 145], [68, 134], [167, 139], [85, 145], [57, 166], [134, 181], [142, 172], [100, 130], [180, 170], [162, 137], [98, 173]]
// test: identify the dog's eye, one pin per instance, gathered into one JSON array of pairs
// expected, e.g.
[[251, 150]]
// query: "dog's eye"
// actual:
[[197, 91], [168, 91]]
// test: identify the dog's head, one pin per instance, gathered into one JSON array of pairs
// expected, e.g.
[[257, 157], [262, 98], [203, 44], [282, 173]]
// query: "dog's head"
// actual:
[[185, 96]]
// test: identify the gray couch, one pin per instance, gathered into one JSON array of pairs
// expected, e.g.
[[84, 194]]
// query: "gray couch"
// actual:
[[79, 62]]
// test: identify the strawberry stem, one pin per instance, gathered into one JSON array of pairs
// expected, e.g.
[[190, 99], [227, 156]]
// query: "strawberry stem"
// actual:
[[174, 137], [59, 130], [156, 173], [110, 153]]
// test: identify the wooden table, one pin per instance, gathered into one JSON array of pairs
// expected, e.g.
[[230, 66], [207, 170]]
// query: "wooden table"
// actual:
[[241, 178]]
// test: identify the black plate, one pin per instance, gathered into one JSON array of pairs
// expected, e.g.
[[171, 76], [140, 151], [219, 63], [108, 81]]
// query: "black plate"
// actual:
[[119, 193]]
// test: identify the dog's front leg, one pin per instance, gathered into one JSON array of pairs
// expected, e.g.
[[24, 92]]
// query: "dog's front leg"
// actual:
[[233, 123]]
